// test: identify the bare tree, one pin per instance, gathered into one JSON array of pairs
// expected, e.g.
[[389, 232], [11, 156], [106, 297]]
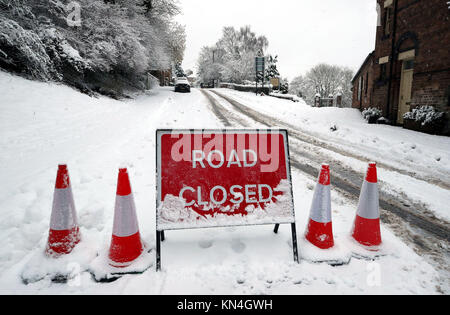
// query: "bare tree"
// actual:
[[177, 42], [326, 80], [232, 57]]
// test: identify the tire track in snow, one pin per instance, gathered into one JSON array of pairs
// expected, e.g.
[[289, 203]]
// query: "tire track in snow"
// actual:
[[221, 112], [426, 233], [348, 180], [302, 136]]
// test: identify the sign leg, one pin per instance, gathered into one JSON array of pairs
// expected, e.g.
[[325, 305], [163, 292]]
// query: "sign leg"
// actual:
[[158, 251], [163, 236], [294, 242], [277, 227]]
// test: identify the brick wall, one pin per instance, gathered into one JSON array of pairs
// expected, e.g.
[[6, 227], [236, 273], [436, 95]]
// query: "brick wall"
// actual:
[[422, 25], [366, 73], [431, 89]]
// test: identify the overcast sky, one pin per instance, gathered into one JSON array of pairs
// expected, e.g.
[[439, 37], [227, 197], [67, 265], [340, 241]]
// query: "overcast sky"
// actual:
[[301, 32]]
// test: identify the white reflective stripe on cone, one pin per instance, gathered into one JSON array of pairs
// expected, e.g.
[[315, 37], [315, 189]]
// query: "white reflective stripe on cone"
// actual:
[[64, 215], [125, 219], [321, 205], [368, 206]]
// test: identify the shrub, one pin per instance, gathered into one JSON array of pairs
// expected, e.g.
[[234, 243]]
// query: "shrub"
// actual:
[[118, 43], [371, 114], [23, 51], [284, 88], [426, 115]]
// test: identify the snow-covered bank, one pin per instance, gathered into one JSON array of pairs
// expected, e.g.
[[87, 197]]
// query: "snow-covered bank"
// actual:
[[42, 125], [344, 128]]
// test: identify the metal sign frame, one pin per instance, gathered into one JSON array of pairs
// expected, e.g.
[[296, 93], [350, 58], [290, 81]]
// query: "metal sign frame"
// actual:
[[160, 235], [260, 63], [260, 67]]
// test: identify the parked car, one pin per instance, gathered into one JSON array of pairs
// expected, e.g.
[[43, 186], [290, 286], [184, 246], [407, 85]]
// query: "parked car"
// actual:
[[182, 85]]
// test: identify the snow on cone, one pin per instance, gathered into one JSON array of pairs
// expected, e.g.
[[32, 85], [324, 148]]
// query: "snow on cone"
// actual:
[[126, 245], [366, 228], [320, 229], [64, 232]]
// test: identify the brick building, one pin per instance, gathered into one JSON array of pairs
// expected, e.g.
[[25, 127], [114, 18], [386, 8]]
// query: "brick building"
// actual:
[[410, 65], [363, 84]]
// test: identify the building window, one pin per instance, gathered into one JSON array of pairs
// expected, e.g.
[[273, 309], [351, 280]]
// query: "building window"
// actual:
[[408, 64], [367, 84], [387, 21], [379, 13], [383, 75], [360, 85]]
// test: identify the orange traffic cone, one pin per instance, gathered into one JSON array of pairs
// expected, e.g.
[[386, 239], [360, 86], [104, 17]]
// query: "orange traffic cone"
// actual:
[[64, 232], [366, 228], [320, 228], [126, 244]]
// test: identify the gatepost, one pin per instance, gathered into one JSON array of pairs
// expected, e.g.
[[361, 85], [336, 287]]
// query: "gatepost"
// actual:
[[317, 100]]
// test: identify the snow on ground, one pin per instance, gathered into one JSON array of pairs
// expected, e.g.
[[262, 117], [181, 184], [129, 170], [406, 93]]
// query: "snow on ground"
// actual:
[[407, 150], [42, 125]]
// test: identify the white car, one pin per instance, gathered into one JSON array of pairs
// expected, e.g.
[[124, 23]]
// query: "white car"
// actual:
[[182, 85]]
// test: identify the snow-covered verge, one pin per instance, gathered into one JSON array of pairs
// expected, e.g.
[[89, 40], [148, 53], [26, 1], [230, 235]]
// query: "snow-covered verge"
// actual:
[[289, 97], [42, 125], [344, 128]]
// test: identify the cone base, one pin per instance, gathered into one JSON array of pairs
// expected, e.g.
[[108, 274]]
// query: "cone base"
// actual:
[[320, 234], [124, 250], [367, 231], [62, 242]]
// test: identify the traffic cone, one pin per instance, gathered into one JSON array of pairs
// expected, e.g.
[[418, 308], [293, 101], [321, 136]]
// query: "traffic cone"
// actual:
[[126, 244], [320, 228], [64, 232], [366, 228]]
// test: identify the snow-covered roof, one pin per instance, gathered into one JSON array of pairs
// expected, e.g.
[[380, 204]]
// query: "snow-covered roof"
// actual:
[[370, 56]]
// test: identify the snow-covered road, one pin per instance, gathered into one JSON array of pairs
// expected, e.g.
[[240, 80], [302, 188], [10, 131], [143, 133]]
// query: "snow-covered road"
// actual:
[[42, 125], [408, 218], [310, 151]]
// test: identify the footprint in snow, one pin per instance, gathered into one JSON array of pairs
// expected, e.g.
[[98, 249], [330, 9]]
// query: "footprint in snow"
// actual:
[[238, 246], [205, 244]]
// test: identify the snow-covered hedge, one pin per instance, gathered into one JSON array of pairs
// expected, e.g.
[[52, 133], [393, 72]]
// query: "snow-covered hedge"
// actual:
[[426, 115], [245, 88], [116, 44], [64, 56], [23, 48]]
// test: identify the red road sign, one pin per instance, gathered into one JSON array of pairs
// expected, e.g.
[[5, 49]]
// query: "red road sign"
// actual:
[[213, 178]]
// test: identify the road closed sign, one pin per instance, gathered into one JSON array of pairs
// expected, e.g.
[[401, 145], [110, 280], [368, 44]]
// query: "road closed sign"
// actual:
[[221, 178]]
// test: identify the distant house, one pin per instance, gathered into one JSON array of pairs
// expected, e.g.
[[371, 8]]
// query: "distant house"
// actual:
[[363, 84], [164, 76], [410, 65]]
